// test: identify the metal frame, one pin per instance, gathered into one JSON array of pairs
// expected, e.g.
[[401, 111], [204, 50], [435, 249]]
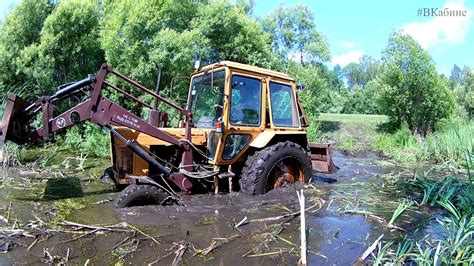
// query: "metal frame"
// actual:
[[99, 110]]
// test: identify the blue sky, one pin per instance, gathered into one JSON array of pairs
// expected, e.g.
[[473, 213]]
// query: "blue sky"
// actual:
[[356, 28]]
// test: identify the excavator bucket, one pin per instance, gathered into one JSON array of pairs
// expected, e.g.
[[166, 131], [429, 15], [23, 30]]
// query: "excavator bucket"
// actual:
[[15, 120], [321, 158]]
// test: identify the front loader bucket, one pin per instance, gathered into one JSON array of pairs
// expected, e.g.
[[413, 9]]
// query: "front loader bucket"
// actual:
[[15, 119], [321, 158]]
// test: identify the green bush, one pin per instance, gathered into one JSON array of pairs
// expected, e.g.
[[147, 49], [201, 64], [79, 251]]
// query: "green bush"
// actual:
[[90, 139], [364, 100]]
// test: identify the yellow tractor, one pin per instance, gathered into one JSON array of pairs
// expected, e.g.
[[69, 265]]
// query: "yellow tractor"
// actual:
[[243, 129]]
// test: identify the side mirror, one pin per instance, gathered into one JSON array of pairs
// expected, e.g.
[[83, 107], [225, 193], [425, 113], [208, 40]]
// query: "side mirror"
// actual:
[[300, 86]]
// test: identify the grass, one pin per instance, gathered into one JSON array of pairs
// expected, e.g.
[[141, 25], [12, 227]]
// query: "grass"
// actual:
[[358, 132], [350, 132], [353, 118], [448, 145], [456, 246]]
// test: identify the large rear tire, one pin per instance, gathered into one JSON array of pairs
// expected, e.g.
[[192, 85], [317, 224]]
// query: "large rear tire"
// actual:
[[140, 195], [275, 166]]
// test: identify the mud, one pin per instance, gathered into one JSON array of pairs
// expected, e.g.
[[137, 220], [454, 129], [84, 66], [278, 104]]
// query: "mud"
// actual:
[[336, 234]]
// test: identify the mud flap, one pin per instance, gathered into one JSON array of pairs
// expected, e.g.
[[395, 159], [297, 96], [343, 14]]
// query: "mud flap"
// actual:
[[321, 158]]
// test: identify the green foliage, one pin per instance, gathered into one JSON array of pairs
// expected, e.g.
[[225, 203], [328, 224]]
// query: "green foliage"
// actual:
[[364, 100], [464, 94], [415, 94], [229, 34], [450, 144], [294, 35], [314, 96], [91, 139], [69, 40], [137, 35], [455, 247], [19, 36]]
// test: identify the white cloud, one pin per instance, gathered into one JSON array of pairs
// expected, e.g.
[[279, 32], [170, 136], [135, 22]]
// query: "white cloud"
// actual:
[[346, 44], [347, 58], [441, 29]]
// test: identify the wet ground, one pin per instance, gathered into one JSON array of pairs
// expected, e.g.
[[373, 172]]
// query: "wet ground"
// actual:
[[204, 232]]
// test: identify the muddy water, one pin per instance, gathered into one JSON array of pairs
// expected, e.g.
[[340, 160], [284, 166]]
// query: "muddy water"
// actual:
[[336, 233]]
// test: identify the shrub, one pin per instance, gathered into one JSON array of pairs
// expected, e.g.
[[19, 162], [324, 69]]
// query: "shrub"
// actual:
[[90, 139]]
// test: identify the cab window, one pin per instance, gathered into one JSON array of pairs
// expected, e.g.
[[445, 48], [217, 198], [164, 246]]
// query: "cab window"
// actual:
[[284, 112], [246, 101]]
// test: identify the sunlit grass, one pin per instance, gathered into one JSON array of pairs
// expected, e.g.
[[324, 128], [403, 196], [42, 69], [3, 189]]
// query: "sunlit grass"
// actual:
[[353, 118]]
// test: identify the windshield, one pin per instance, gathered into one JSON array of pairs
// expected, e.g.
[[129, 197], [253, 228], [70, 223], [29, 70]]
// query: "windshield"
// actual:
[[206, 99]]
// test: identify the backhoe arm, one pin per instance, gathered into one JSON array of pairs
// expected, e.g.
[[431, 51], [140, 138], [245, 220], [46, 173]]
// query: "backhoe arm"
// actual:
[[17, 123]]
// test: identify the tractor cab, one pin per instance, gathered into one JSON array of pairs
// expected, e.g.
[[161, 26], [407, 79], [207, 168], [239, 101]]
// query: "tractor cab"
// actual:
[[244, 107]]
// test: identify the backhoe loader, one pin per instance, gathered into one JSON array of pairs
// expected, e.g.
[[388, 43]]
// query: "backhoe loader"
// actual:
[[243, 129]]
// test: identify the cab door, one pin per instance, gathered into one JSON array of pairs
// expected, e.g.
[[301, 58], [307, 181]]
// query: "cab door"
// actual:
[[245, 115]]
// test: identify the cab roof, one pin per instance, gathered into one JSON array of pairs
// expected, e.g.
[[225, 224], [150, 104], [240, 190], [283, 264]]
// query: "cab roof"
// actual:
[[246, 67]]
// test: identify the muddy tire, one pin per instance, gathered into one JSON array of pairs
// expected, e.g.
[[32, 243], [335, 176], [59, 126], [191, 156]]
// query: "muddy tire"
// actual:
[[139, 195], [275, 166]]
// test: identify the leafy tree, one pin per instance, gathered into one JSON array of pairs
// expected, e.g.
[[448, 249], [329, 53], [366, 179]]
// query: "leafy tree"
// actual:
[[364, 100], [137, 35], [415, 94], [317, 95], [456, 76], [294, 34], [354, 75], [70, 40], [19, 34], [370, 67], [465, 93], [229, 34]]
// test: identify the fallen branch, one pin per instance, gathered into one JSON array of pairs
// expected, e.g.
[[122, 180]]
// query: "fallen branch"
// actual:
[[111, 228], [369, 250], [376, 218], [265, 254], [301, 200], [179, 253], [244, 221], [270, 237], [275, 218], [218, 242], [143, 233]]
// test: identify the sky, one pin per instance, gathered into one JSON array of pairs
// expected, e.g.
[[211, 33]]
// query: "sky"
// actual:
[[356, 28], [361, 27]]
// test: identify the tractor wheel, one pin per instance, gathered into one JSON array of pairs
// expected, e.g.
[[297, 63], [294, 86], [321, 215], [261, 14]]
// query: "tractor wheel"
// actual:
[[274, 166], [140, 195]]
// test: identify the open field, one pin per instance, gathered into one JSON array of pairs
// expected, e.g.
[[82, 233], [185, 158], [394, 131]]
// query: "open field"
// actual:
[[353, 118], [350, 132]]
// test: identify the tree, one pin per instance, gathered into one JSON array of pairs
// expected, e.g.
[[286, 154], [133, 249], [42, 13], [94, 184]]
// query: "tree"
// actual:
[[465, 93], [370, 67], [456, 76], [294, 35], [354, 75], [229, 34], [19, 34], [415, 95], [137, 35], [70, 47], [364, 100]]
